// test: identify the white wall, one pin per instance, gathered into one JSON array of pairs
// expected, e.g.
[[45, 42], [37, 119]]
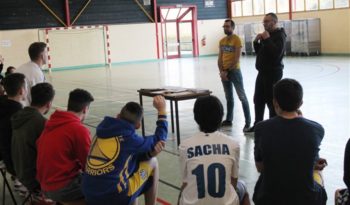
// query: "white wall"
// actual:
[[133, 42], [213, 31], [17, 53]]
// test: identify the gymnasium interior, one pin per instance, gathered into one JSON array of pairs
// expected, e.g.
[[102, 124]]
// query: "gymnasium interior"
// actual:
[[114, 48]]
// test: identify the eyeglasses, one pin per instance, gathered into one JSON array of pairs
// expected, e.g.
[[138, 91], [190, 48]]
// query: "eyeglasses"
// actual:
[[226, 26]]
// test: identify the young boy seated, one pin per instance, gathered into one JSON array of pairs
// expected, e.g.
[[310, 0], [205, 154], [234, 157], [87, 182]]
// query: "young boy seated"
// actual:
[[342, 196], [27, 126], [10, 70], [121, 164], [14, 85], [62, 149], [287, 152], [209, 161], [15, 89]]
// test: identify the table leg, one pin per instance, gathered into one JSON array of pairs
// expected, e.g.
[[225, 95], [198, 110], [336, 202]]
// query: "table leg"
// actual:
[[172, 116], [177, 122], [142, 121]]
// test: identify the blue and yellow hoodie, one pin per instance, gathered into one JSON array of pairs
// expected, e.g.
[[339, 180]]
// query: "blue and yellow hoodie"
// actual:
[[115, 154]]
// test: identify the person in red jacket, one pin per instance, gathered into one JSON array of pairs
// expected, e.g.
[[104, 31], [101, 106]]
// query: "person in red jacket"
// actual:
[[62, 151]]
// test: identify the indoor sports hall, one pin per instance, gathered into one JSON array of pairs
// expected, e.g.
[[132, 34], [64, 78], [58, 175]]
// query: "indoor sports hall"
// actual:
[[117, 49]]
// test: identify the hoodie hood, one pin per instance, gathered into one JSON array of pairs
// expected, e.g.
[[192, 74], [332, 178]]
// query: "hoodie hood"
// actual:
[[112, 127], [22, 117], [8, 106], [279, 31], [60, 118]]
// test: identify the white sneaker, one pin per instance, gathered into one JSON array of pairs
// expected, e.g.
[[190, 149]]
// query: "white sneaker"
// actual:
[[2, 165], [19, 187]]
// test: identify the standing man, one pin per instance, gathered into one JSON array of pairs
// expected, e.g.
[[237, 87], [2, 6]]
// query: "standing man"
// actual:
[[230, 73], [33, 69], [269, 47]]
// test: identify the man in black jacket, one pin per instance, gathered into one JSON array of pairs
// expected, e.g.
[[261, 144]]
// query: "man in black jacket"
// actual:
[[270, 48], [14, 85]]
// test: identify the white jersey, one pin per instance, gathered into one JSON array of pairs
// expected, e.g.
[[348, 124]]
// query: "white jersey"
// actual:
[[34, 75], [208, 162]]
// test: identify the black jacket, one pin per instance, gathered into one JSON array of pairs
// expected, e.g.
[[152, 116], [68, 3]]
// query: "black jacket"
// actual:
[[270, 51], [347, 165], [7, 109], [1, 77]]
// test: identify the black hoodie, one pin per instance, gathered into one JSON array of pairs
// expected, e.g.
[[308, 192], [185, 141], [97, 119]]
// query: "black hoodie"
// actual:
[[270, 51], [7, 109]]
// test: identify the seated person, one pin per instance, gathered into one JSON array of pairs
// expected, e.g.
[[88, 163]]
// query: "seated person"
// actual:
[[121, 164], [27, 126], [62, 150], [286, 153], [342, 195], [210, 160], [14, 85], [2, 90], [10, 70]]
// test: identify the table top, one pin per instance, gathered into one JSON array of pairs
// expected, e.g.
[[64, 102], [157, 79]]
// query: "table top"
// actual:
[[175, 93]]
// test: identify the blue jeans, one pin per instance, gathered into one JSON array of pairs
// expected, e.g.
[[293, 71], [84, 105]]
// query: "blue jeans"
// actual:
[[235, 78]]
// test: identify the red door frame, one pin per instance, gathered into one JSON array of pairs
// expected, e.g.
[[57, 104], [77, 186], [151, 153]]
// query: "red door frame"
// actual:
[[178, 20]]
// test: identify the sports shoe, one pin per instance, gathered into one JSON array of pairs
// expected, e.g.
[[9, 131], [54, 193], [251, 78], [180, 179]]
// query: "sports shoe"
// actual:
[[246, 128], [2, 165], [249, 130], [226, 123], [19, 187], [39, 199]]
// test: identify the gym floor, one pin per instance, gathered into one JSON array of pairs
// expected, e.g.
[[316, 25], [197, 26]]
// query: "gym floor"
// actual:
[[326, 83]]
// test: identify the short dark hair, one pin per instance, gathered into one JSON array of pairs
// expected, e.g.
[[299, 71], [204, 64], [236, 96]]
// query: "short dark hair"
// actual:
[[78, 100], [42, 93], [8, 70], [35, 49], [232, 23], [13, 83], [131, 112], [208, 112], [289, 94], [273, 15]]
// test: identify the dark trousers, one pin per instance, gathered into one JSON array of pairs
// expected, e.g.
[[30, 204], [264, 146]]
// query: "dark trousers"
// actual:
[[264, 93]]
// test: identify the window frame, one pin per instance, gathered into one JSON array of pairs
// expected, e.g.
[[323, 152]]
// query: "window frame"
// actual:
[[284, 12]]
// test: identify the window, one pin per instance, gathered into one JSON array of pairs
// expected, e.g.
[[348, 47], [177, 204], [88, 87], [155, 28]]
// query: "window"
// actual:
[[282, 6], [247, 8], [299, 5], [270, 6], [311, 5], [341, 3], [326, 4], [259, 7], [237, 8]]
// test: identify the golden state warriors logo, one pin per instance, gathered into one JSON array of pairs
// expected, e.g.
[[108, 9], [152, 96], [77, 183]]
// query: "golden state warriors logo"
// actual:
[[143, 174], [102, 155]]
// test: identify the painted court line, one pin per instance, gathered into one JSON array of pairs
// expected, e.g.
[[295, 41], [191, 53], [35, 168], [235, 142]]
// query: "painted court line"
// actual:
[[162, 202]]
